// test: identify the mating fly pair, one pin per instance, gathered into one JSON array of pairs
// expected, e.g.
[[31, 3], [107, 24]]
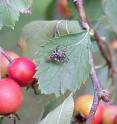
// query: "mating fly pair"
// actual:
[[58, 56]]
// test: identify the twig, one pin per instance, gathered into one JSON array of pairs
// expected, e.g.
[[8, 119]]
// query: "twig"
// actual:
[[101, 44], [2, 52], [97, 84], [5, 55], [80, 9], [99, 93], [104, 47], [106, 53]]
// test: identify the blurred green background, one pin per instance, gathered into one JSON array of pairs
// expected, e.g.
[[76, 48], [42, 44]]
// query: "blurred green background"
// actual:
[[9, 37]]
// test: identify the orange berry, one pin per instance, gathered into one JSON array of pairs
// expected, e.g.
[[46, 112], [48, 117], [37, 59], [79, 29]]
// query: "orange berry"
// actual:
[[83, 105]]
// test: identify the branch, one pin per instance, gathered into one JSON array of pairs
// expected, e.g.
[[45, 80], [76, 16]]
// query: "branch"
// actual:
[[86, 24], [103, 46], [80, 9], [106, 53], [99, 93], [96, 83]]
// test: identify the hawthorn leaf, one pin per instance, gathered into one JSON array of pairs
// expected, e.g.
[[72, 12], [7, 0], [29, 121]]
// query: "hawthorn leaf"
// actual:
[[110, 9], [10, 11], [37, 33], [53, 103], [62, 114], [58, 78]]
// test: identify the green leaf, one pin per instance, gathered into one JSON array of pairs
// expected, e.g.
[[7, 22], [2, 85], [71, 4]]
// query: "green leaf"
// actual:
[[110, 9], [58, 78], [10, 11], [53, 103], [62, 114], [36, 33]]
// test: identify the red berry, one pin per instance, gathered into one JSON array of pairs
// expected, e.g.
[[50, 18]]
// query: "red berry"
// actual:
[[11, 96], [109, 114], [22, 70], [115, 119], [4, 62], [99, 113]]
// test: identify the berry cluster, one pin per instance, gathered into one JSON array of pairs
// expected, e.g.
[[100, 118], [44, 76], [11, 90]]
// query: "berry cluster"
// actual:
[[105, 114], [15, 72]]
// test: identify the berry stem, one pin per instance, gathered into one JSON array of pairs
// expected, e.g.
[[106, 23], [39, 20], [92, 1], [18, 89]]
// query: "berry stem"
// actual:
[[16, 116], [5, 55], [14, 120]]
